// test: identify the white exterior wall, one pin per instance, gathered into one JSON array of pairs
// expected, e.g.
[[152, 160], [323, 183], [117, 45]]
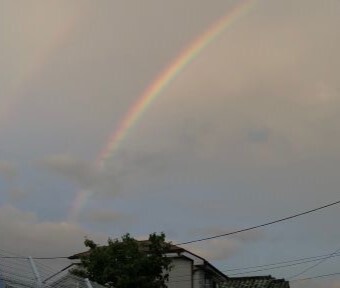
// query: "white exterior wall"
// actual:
[[188, 271], [199, 279], [180, 274]]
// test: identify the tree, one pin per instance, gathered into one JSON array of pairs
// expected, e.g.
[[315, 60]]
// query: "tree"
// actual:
[[127, 263]]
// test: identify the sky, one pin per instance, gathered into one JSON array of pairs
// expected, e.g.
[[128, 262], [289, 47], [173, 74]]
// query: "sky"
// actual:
[[246, 133]]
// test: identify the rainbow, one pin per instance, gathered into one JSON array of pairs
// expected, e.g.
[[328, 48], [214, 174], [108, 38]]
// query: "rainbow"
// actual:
[[167, 76], [158, 85]]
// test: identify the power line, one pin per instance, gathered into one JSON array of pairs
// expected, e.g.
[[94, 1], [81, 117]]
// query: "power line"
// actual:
[[229, 233], [316, 264], [252, 271], [261, 225], [315, 277], [240, 231], [291, 263], [309, 259], [274, 267], [316, 258], [270, 266]]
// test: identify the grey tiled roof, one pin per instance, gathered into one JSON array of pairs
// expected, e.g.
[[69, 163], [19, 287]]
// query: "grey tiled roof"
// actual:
[[255, 282]]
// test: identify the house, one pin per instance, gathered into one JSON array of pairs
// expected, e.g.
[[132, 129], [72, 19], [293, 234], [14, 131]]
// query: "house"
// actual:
[[192, 271], [188, 269]]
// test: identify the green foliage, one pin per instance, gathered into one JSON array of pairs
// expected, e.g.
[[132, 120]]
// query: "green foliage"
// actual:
[[127, 263]]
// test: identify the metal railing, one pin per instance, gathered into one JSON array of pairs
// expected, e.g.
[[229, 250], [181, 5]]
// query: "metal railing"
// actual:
[[25, 272]]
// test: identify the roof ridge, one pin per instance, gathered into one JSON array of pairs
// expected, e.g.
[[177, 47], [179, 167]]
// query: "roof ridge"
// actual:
[[266, 277]]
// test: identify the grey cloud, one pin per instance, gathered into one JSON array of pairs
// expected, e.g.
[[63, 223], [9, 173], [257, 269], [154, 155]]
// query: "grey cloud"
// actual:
[[102, 182], [221, 248], [216, 249], [258, 134], [8, 170], [17, 194], [253, 119], [102, 216], [25, 234], [82, 173], [251, 236]]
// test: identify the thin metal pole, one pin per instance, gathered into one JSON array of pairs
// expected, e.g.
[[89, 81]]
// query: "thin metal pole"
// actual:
[[35, 271], [88, 283]]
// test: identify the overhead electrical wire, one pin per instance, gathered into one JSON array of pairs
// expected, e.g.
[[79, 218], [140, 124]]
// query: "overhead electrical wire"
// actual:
[[260, 225], [274, 268], [316, 277], [315, 265], [237, 232], [265, 267], [289, 263], [229, 233], [316, 258]]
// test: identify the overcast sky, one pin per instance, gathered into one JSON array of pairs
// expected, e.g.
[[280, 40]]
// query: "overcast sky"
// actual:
[[247, 133]]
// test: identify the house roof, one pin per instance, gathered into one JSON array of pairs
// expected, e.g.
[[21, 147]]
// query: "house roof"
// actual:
[[255, 282], [207, 266]]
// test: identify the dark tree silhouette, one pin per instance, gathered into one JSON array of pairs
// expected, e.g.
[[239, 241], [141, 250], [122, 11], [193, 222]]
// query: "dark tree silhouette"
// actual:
[[127, 263]]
